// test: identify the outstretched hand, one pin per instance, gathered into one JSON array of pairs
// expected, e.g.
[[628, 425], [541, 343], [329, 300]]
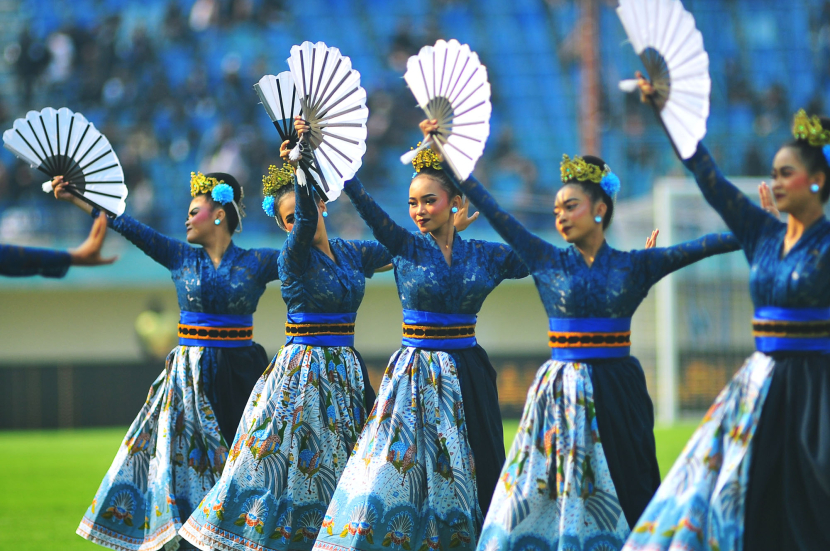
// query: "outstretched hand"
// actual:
[[646, 88], [89, 252], [285, 150], [651, 242], [767, 201], [461, 220]]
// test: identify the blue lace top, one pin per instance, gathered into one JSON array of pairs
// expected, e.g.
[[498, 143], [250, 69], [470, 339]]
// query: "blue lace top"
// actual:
[[613, 286], [233, 288], [314, 283], [425, 281], [28, 261], [800, 279]]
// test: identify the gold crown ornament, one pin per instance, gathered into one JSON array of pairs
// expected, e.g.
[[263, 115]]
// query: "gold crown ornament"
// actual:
[[201, 184], [810, 129], [426, 158], [582, 171], [277, 178]]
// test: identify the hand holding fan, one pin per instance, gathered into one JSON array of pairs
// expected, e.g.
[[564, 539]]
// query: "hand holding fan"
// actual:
[[664, 35], [450, 84], [334, 107], [63, 143]]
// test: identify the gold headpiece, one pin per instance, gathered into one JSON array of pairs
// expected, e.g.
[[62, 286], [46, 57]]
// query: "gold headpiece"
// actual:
[[426, 158], [581, 171], [201, 184], [277, 178], [810, 129]]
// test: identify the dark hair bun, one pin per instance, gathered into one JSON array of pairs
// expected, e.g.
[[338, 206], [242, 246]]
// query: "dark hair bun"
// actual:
[[238, 194]]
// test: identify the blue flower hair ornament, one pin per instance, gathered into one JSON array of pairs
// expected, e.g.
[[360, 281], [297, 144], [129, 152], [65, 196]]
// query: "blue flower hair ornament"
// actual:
[[610, 183], [268, 206], [826, 150], [222, 193]]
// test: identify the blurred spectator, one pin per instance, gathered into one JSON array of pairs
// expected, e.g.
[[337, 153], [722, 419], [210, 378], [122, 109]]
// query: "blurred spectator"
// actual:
[[30, 59]]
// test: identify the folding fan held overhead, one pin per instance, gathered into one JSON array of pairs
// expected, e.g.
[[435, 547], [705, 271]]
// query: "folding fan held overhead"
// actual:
[[63, 143], [664, 35], [279, 97], [334, 106], [450, 84]]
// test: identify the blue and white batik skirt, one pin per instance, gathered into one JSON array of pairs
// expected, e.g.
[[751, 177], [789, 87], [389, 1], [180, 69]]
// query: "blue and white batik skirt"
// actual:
[[411, 481], [294, 441], [174, 451]]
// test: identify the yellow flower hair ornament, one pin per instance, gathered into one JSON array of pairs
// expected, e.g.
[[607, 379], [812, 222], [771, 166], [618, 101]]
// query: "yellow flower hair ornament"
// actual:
[[272, 182], [426, 158], [810, 130]]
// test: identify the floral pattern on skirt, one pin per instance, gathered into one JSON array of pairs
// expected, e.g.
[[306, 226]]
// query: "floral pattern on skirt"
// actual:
[[555, 490], [700, 504], [293, 442], [172, 455], [410, 483]]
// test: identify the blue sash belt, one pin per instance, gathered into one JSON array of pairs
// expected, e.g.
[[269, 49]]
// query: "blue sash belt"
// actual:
[[438, 331], [584, 338], [791, 329], [216, 330], [320, 329]]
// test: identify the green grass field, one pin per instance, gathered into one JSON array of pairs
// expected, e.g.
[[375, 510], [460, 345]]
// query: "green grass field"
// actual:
[[48, 478]]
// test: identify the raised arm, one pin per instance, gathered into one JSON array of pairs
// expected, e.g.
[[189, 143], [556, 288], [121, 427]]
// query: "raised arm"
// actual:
[[166, 251], [297, 249], [661, 261], [535, 252], [386, 231], [29, 261], [746, 219]]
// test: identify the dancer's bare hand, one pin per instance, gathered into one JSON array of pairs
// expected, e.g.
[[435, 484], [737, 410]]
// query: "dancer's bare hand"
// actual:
[[89, 252], [285, 150], [767, 200], [646, 88], [428, 127], [651, 242], [460, 219], [301, 126]]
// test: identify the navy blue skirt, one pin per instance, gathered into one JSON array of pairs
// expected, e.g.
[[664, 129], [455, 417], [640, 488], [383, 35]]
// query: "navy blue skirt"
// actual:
[[788, 495]]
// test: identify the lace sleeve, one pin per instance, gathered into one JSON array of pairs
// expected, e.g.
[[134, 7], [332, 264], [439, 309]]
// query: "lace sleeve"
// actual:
[[659, 262], [395, 238], [166, 251], [534, 252], [297, 249], [373, 255], [746, 219], [28, 261]]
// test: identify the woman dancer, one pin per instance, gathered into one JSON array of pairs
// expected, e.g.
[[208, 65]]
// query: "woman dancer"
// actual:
[[426, 462], [176, 448], [308, 409], [28, 261], [583, 464], [756, 473]]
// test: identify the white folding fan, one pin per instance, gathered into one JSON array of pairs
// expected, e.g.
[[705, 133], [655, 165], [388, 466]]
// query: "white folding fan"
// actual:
[[63, 143], [450, 84], [334, 107], [279, 97], [664, 35]]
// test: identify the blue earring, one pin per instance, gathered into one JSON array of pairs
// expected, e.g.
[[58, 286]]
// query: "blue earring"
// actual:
[[217, 221], [597, 219], [325, 214], [814, 188], [454, 210]]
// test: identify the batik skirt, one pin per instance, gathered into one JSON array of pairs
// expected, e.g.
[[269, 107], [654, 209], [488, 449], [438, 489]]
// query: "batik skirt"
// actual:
[[582, 462], [411, 482], [174, 451], [756, 473], [296, 435]]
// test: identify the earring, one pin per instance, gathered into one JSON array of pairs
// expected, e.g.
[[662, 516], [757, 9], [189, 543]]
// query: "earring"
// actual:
[[454, 210], [597, 219], [217, 221], [814, 188], [325, 214]]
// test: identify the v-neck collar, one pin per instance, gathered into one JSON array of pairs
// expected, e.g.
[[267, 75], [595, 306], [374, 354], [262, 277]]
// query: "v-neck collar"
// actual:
[[782, 256], [225, 255], [456, 240], [332, 261], [600, 254]]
